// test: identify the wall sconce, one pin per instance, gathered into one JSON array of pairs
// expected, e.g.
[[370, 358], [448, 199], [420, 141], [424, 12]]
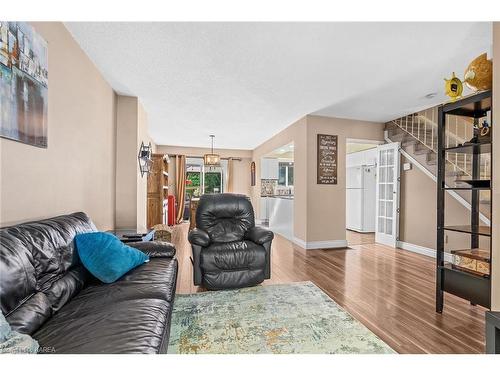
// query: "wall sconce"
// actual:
[[144, 158]]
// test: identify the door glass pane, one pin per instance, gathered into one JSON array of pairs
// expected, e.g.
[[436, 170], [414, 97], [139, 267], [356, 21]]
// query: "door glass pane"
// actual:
[[193, 178], [388, 226], [381, 208], [381, 225], [383, 174], [381, 189], [213, 182], [388, 208], [388, 192], [383, 158], [390, 174], [390, 157]]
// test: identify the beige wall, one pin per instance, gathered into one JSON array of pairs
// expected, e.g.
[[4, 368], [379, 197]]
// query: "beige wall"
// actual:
[[319, 210], [326, 204], [417, 224], [131, 187], [126, 177], [142, 182], [241, 172], [77, 170], [495, 261]]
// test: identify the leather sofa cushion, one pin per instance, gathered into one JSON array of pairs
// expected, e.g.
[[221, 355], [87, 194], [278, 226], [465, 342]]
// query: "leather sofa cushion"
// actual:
[[127, 316], [35, 259], [128, 326], [235, 255], [155, 279], [225, 217]]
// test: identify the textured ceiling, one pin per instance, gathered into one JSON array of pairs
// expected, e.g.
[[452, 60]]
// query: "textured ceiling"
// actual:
[[244, 82]]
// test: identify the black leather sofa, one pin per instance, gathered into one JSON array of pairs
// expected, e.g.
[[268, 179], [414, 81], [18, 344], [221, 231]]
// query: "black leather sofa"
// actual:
[[47, 293], [229, 251]]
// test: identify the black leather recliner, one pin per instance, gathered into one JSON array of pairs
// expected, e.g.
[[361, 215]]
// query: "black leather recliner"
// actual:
[[229, 251]]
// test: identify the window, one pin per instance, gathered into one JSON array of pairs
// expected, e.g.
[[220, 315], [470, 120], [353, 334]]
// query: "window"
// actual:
[[193, 180], [285, 176], [201, 179], [213, 180]]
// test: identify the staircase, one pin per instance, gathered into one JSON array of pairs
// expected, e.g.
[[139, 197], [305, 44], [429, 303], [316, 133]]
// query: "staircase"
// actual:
[[417, 134]]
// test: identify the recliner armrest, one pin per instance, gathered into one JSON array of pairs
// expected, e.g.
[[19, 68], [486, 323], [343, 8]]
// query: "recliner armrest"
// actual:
[[199, 237], [259, 235], [155, 249]]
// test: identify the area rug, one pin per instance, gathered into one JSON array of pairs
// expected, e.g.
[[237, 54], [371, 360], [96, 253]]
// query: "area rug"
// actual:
[[284, 319]]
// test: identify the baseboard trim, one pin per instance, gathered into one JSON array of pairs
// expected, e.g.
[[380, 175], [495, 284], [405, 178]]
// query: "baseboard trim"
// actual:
[[422, 250], [316, 245]]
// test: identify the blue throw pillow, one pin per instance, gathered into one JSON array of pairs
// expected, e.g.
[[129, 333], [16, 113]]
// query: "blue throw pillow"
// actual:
[[106, 257]]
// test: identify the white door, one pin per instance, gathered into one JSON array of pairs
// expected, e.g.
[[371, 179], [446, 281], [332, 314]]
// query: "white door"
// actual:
[[354, 211], [387, 210]]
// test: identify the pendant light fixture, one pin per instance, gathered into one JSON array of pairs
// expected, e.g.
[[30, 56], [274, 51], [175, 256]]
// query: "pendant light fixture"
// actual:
[[212, 159]]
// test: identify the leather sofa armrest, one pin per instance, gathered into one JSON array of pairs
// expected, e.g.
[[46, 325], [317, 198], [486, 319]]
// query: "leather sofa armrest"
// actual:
[[259, 235], [199, 237], [155, 249]]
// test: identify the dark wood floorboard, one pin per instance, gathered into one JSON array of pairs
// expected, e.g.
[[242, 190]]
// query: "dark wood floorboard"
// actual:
[[390, 291]]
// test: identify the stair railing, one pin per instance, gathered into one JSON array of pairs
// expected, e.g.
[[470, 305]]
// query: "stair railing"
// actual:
[[422, 126]]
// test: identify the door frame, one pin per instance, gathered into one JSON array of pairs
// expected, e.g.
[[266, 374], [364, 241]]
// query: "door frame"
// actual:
[[383, 238]]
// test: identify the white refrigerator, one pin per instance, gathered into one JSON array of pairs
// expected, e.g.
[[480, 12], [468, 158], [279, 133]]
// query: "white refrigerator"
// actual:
[[361, 184]]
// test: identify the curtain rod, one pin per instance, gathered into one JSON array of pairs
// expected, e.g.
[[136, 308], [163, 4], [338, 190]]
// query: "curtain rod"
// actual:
[[201, 157]]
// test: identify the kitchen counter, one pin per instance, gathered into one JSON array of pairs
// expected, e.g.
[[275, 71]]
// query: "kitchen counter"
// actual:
[[277, 196], [280, 210]]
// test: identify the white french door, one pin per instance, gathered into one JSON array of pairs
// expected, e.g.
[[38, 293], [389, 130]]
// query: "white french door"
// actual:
[[387, 211]]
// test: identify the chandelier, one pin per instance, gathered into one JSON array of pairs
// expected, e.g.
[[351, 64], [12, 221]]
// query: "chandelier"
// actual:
[[212, 159]]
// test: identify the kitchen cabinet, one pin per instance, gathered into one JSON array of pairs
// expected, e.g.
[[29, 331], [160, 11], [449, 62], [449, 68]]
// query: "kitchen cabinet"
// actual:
[[264, 211], [281, 216], [269, 168]]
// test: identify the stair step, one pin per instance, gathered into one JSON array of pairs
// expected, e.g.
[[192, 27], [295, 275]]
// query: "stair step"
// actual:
[[420, 149], [398, 137], [455, 174], [431, 156], [409, 141]]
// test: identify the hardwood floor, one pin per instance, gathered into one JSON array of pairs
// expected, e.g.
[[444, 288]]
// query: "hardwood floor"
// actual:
[[391, 291]]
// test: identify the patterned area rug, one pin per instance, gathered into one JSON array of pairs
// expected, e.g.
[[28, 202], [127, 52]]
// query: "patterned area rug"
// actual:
[[288, 318]]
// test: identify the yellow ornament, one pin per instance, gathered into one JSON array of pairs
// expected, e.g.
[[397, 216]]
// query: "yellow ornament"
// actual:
[[479, 74], [453, 87]]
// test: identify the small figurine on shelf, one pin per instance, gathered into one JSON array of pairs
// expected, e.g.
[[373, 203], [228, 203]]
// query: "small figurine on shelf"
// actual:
[[453, 87], [482, 133]]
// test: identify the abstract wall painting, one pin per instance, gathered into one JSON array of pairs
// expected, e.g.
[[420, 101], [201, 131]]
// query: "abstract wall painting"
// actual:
[[23, 84]]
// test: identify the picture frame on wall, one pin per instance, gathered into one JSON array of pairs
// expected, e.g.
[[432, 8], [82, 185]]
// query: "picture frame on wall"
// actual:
[[327, 152], [23, 84], [252, 173]]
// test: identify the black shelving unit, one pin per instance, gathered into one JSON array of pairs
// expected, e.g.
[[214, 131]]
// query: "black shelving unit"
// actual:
[[471, 286]]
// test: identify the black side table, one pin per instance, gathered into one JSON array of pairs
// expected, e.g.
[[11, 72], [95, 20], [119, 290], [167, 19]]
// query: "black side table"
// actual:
[[131, 235], [493, 332]]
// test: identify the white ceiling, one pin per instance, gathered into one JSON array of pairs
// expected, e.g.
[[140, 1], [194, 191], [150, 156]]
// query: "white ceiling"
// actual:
[[244, 82]]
